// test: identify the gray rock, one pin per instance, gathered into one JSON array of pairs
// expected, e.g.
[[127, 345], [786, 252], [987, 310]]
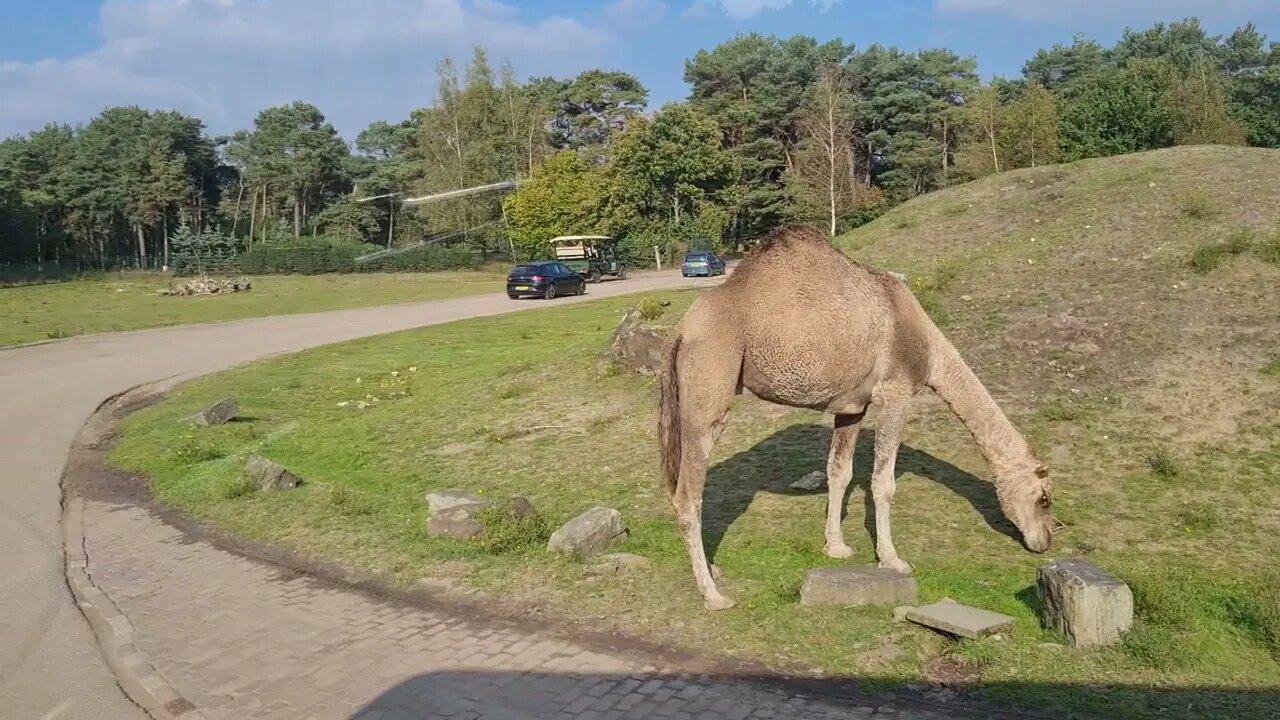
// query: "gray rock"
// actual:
[[900, 613], [635, 345], [857, 586], [441, 500], [589, 534], [218, 413], [269, 475], [457, 521], [956, 619], [1086, 604], [815, 480]]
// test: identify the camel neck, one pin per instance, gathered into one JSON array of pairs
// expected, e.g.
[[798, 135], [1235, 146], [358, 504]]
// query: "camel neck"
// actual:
[[950, 377]]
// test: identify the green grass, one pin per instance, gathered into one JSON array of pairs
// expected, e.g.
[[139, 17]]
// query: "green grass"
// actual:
[[1082, 318], [129, 302], [1198, 206], [459, 411]]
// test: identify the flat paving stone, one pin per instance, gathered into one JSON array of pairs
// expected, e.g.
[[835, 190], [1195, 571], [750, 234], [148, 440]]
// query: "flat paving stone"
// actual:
[[857, 587], [962, 620]]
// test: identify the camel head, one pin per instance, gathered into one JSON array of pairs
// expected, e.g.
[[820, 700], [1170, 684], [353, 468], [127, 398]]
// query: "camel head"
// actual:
[[1026, 497]]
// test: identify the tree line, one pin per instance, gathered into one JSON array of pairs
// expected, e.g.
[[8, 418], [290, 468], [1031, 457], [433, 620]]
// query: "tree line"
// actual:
[[774, 130]]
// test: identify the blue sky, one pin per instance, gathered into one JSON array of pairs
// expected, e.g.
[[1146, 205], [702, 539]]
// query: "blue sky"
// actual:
[[364, 60]]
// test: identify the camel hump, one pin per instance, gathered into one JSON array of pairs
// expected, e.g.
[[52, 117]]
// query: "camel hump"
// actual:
[[792, 236]]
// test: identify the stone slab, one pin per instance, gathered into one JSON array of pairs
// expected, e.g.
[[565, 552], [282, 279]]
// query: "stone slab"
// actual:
[[857, 587], [223, 411], [269, 475], [961, 620], [1086, 604], [440, 500]]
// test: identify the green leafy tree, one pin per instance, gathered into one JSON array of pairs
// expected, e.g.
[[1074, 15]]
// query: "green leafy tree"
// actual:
[[1121, 110], [1199, 103], [562, 198], [663, 168], [1031, 135], [1061, 68], [823, 176]]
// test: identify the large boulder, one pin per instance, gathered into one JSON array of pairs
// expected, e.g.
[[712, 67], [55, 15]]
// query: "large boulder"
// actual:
[[589, 534], [636, 345], [857, 586], [1083, 602], [223, 411], [455, 514], [269, 475]]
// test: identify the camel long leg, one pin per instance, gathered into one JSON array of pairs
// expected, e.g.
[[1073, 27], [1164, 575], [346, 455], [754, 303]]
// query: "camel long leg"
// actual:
[[687, 501], [839, 474], [883, 485]]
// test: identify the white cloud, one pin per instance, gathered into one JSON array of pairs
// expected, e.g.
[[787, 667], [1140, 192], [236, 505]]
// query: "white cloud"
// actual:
[[224, 60], [635, 13], [745, 9], [1091, 12]]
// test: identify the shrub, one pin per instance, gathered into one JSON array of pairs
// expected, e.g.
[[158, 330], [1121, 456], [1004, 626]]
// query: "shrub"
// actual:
[[422, 258], [650, 309], [1197, 207], [1268, 250], [506, 530], [1210, 256], [1164, 463]]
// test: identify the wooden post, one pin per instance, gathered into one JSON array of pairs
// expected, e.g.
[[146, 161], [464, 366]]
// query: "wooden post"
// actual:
[[657, 257]]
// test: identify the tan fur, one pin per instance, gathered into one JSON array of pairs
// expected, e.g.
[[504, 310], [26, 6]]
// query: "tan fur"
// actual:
[[799, 324]]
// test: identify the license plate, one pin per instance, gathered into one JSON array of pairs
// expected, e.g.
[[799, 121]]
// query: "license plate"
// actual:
[[522, 287]]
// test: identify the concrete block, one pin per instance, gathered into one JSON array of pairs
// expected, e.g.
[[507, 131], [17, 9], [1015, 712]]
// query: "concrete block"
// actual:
[[1086, 604]]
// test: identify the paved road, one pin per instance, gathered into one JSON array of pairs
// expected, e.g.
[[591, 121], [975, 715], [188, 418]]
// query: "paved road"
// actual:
[[50, 666], [220, 635]]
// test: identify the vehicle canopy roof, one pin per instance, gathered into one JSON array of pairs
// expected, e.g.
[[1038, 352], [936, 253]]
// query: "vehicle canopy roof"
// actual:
[[578, 239]]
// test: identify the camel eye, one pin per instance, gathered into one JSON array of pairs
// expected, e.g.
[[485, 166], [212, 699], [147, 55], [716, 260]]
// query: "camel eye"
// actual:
[[1045, 502]]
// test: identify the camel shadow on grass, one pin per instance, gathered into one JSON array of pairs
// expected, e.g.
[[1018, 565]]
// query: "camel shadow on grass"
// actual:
[[779, 460]]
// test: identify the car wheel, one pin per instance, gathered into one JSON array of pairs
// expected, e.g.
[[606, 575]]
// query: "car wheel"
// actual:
[[622, 274], [594, 276], [513, 296], [551, 291]]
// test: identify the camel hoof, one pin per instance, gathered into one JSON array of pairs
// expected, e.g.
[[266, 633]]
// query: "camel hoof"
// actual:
[[720, 602], [716, 572], [896, 564], [839, 551]]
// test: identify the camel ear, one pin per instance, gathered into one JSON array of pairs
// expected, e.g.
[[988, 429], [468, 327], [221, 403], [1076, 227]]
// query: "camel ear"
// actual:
[[1042, 472]]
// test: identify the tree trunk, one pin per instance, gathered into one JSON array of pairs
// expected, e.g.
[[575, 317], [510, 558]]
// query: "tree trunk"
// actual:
[[391, 220], [297, 214], [995, 156], [265, 209], [675, 205], [235, 222], [142, 248], [944, 150], [253, 215], [164, 219]]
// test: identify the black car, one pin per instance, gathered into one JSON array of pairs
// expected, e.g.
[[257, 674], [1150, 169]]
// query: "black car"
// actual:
[[544, 279]]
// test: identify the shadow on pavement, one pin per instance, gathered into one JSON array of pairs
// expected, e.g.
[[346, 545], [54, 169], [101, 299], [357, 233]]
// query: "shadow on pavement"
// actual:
[[481, 695]]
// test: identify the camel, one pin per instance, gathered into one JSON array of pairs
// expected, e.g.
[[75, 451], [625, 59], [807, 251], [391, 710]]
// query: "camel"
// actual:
[[799, 324]]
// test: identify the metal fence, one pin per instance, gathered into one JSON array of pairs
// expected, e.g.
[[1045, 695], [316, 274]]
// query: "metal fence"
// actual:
[[36, 273]]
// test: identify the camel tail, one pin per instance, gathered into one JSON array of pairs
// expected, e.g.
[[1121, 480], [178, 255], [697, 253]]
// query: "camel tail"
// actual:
[[669, 420]]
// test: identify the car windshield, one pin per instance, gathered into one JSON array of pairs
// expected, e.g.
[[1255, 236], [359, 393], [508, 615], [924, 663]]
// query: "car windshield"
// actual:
[[530, 269], [697, 256]]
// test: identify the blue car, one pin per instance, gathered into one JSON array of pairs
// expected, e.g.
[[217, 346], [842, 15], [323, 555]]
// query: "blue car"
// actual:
[[702, 263]]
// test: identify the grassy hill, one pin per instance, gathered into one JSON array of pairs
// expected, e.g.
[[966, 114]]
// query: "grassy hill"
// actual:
[[1152, 388]]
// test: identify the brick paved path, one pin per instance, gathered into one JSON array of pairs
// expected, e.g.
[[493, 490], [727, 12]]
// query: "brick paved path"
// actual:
[[241, 638]]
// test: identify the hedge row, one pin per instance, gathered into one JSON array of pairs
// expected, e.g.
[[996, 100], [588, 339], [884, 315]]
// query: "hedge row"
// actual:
[[319, 259]]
